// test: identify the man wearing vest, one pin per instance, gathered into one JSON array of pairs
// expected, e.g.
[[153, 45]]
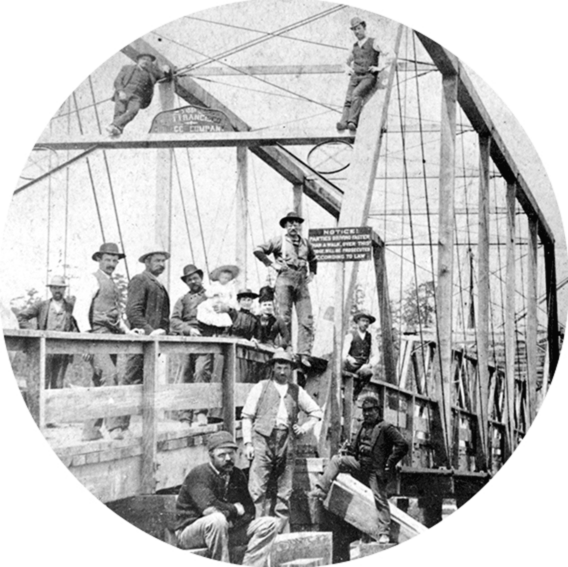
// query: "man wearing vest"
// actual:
[[296, 264], [363, 68], [134, 88], [270, 430], [54, 314], [371, 459], [99, 311], [359, 351]]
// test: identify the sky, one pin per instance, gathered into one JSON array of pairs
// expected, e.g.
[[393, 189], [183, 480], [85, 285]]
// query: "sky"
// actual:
[[41, 70]]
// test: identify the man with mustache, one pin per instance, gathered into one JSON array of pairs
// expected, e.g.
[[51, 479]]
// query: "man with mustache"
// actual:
[[214, 508], [147, 312], [296, 264]]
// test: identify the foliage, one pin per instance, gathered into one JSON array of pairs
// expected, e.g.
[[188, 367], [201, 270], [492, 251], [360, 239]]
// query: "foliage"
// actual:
[[22, 302], [417, 308]]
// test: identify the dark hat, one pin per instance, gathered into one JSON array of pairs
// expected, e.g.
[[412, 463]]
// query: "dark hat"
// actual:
[[292, 215], [365, 314], [221, 439], [140, 55], [247, 293], [282, 356], [189, 270], [57, 281], [370, 402], [265, 293], [108, 248], [234, 270], [356, 21], [155, 250]]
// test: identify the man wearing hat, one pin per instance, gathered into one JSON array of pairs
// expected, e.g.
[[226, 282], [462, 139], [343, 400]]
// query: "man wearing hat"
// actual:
[[295, 262], [148, 313], [371, 459], [54, 314], [133, 90], [214, 508], [364, 64], [270, 429], [359, 350], [99, 310]]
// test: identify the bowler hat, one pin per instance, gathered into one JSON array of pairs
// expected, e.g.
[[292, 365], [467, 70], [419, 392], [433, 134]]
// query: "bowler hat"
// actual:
[[365, 314], [57, 281], [370, 402], [292, 215], [282, 356], [265, 293], [232, 269], [246, 292], [155, 250], [108, 248], [221, 439], [356, 21], [140, 55], [189, 270]]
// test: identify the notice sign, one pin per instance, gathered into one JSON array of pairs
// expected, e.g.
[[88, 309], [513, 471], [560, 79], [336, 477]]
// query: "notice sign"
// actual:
[[341, 244], [190, 120]]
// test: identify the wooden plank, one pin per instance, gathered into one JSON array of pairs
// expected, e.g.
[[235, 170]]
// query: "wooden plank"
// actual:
[[301, 545], [242, 217], [35, 382], [228, 388], [110, 346], [288, 136], [191, 348], [188, 396], [73, 405], [298, 192], [353, 502], [551, 308], [149, 419], [334, 398], [483, 290], [241, 393], [444, 285], [480, 119], [532, 319], [387, 339], [163, 198]]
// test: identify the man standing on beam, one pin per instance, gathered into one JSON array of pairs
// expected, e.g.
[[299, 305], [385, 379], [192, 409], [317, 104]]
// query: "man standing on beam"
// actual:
[[363, 68], [296, 264]]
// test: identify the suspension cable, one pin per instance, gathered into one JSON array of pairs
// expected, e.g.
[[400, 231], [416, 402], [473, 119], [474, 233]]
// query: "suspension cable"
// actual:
[[184, 208]]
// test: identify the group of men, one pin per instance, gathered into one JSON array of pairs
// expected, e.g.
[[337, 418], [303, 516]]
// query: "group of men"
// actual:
[[134, 84]]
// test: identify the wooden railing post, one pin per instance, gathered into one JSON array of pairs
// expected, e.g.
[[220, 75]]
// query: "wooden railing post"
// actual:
[[228, 388], [35, 381], [149, 418]]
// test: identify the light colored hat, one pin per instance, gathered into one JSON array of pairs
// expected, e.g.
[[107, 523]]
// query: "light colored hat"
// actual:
[[57, 281], [282, 356], [221, 439], [155, 250], [234, 271], [356, 21], [108, 248]]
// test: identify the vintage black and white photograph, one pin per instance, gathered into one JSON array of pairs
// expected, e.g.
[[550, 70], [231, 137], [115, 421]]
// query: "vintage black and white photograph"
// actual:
[[285, 285]]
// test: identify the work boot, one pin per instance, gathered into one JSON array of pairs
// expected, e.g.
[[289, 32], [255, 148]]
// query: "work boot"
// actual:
[[384, 539], [341, 126], [92, 435], [352, 127], [113, 131], [116, 434]]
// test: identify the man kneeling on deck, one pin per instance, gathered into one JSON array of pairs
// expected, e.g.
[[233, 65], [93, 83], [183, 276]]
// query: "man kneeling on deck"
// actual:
[[215, 510], [371, 459]]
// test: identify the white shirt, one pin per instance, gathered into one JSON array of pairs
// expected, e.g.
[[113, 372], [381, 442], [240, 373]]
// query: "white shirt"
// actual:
[[374, 356]]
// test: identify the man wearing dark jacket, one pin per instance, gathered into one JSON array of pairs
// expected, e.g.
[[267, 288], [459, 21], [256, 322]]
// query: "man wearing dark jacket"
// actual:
[[148, 312], [134, 88], [371, 459], [55, 314], [215, 510]]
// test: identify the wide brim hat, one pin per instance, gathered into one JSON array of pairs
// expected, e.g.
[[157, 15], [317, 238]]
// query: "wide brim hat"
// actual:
[[57, 281], [282, 356], [356, 21], [140, 55], [108, 248], [142, 258], [189, 270], [234, 270], [247, 293], [221, 439], [265, 293], [292, 215], [365, 314]]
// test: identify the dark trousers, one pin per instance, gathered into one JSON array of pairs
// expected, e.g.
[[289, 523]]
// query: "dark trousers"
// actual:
[[55, 369], [378, 485], [125, 110], [358, 88]]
